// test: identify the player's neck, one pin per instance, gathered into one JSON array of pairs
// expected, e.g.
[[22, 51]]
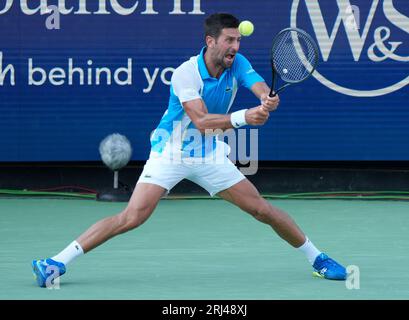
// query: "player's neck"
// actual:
[[213, 69]]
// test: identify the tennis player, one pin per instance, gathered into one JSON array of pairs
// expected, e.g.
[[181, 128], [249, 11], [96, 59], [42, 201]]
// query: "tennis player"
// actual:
[[201, 94]]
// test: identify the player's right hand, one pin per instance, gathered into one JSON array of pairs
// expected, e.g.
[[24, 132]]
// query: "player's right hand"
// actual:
[[257, 116], [270, 103]]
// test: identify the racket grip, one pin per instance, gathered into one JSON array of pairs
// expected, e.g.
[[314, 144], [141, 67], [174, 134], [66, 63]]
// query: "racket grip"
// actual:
[[272, 93]]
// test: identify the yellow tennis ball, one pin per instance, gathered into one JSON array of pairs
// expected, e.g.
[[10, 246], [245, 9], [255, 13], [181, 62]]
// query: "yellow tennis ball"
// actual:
[[246, 28]]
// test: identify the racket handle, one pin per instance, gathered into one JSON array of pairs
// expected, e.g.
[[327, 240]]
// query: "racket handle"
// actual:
[[272, 93]]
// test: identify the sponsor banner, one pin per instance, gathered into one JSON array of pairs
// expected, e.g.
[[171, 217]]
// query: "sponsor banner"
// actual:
[[74, 71]]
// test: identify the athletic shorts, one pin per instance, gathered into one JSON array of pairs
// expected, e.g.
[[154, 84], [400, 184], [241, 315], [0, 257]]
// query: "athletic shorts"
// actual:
[[214, 174]]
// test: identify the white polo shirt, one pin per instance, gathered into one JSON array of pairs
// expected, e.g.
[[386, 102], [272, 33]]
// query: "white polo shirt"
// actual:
[[176, 134]]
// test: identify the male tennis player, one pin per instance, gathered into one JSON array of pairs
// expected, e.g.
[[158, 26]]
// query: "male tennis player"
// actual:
[[202, 92]]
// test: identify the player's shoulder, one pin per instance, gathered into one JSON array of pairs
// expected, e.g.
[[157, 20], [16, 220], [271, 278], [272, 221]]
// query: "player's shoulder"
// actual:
[[187, 72], [241, 59], [242, 64], [188, 66]]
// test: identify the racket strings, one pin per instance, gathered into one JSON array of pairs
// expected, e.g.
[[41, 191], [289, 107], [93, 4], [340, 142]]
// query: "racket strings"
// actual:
[[294, 56], [289, 62]]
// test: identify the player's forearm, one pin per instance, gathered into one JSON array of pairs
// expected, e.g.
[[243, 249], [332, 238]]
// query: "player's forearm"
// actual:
[[262, 91], [260, 88], [212, 121]]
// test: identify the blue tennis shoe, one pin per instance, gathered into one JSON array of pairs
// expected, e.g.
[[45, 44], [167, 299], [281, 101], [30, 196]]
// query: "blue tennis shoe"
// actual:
[[325, 267], [47, 268]]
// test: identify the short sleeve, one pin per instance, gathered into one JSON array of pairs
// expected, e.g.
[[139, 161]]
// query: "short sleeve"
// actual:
[[246, 75], [185, 82]]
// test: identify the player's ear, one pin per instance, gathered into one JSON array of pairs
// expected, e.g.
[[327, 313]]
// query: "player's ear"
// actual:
[[210, 42]]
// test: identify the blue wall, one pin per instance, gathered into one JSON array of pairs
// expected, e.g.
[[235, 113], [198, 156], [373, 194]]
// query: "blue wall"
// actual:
[[316, 120]]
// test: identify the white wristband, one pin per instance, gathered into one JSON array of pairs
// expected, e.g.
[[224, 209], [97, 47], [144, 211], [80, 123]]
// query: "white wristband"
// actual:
[[238, 118]]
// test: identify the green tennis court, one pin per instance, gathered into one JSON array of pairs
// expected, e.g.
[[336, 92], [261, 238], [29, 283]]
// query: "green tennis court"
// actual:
[[206, 249]]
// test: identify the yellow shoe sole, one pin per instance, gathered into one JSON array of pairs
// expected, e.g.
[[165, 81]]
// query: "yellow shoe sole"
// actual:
[[318, 275]]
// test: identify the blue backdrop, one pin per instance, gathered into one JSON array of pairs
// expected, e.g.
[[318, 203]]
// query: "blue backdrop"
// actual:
[[354, 108]]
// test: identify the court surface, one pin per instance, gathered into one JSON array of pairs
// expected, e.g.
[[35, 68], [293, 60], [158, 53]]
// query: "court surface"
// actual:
[[206, 249]]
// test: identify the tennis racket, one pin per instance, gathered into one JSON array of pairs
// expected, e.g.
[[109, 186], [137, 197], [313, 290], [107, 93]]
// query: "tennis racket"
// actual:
[[294, 57]]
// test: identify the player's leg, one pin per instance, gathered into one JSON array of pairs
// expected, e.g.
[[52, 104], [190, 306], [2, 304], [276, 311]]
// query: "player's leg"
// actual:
[[157, 178], [220, 176], [144, 200], [246, 197]]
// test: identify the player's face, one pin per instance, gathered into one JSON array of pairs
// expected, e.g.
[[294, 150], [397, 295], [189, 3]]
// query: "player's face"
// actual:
[[226, 46]]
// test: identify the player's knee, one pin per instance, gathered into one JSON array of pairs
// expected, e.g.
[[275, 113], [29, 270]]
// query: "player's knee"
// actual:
[[261, 210], [265, 212], [133, 217]]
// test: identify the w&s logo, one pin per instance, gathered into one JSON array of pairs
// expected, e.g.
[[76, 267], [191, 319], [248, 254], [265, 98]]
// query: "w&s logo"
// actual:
[[364, 45]]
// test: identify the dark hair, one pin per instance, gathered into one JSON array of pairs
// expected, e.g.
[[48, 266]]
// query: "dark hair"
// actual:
[[218, 21]]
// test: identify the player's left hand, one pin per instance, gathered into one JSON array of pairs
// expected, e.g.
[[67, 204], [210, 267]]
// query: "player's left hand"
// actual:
[[269, 103]]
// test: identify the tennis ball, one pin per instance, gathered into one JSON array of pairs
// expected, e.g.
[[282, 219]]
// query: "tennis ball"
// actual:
[[246, 28]]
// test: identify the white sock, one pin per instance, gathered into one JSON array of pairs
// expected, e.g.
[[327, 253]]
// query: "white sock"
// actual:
[[69, 253], [310, 250]]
